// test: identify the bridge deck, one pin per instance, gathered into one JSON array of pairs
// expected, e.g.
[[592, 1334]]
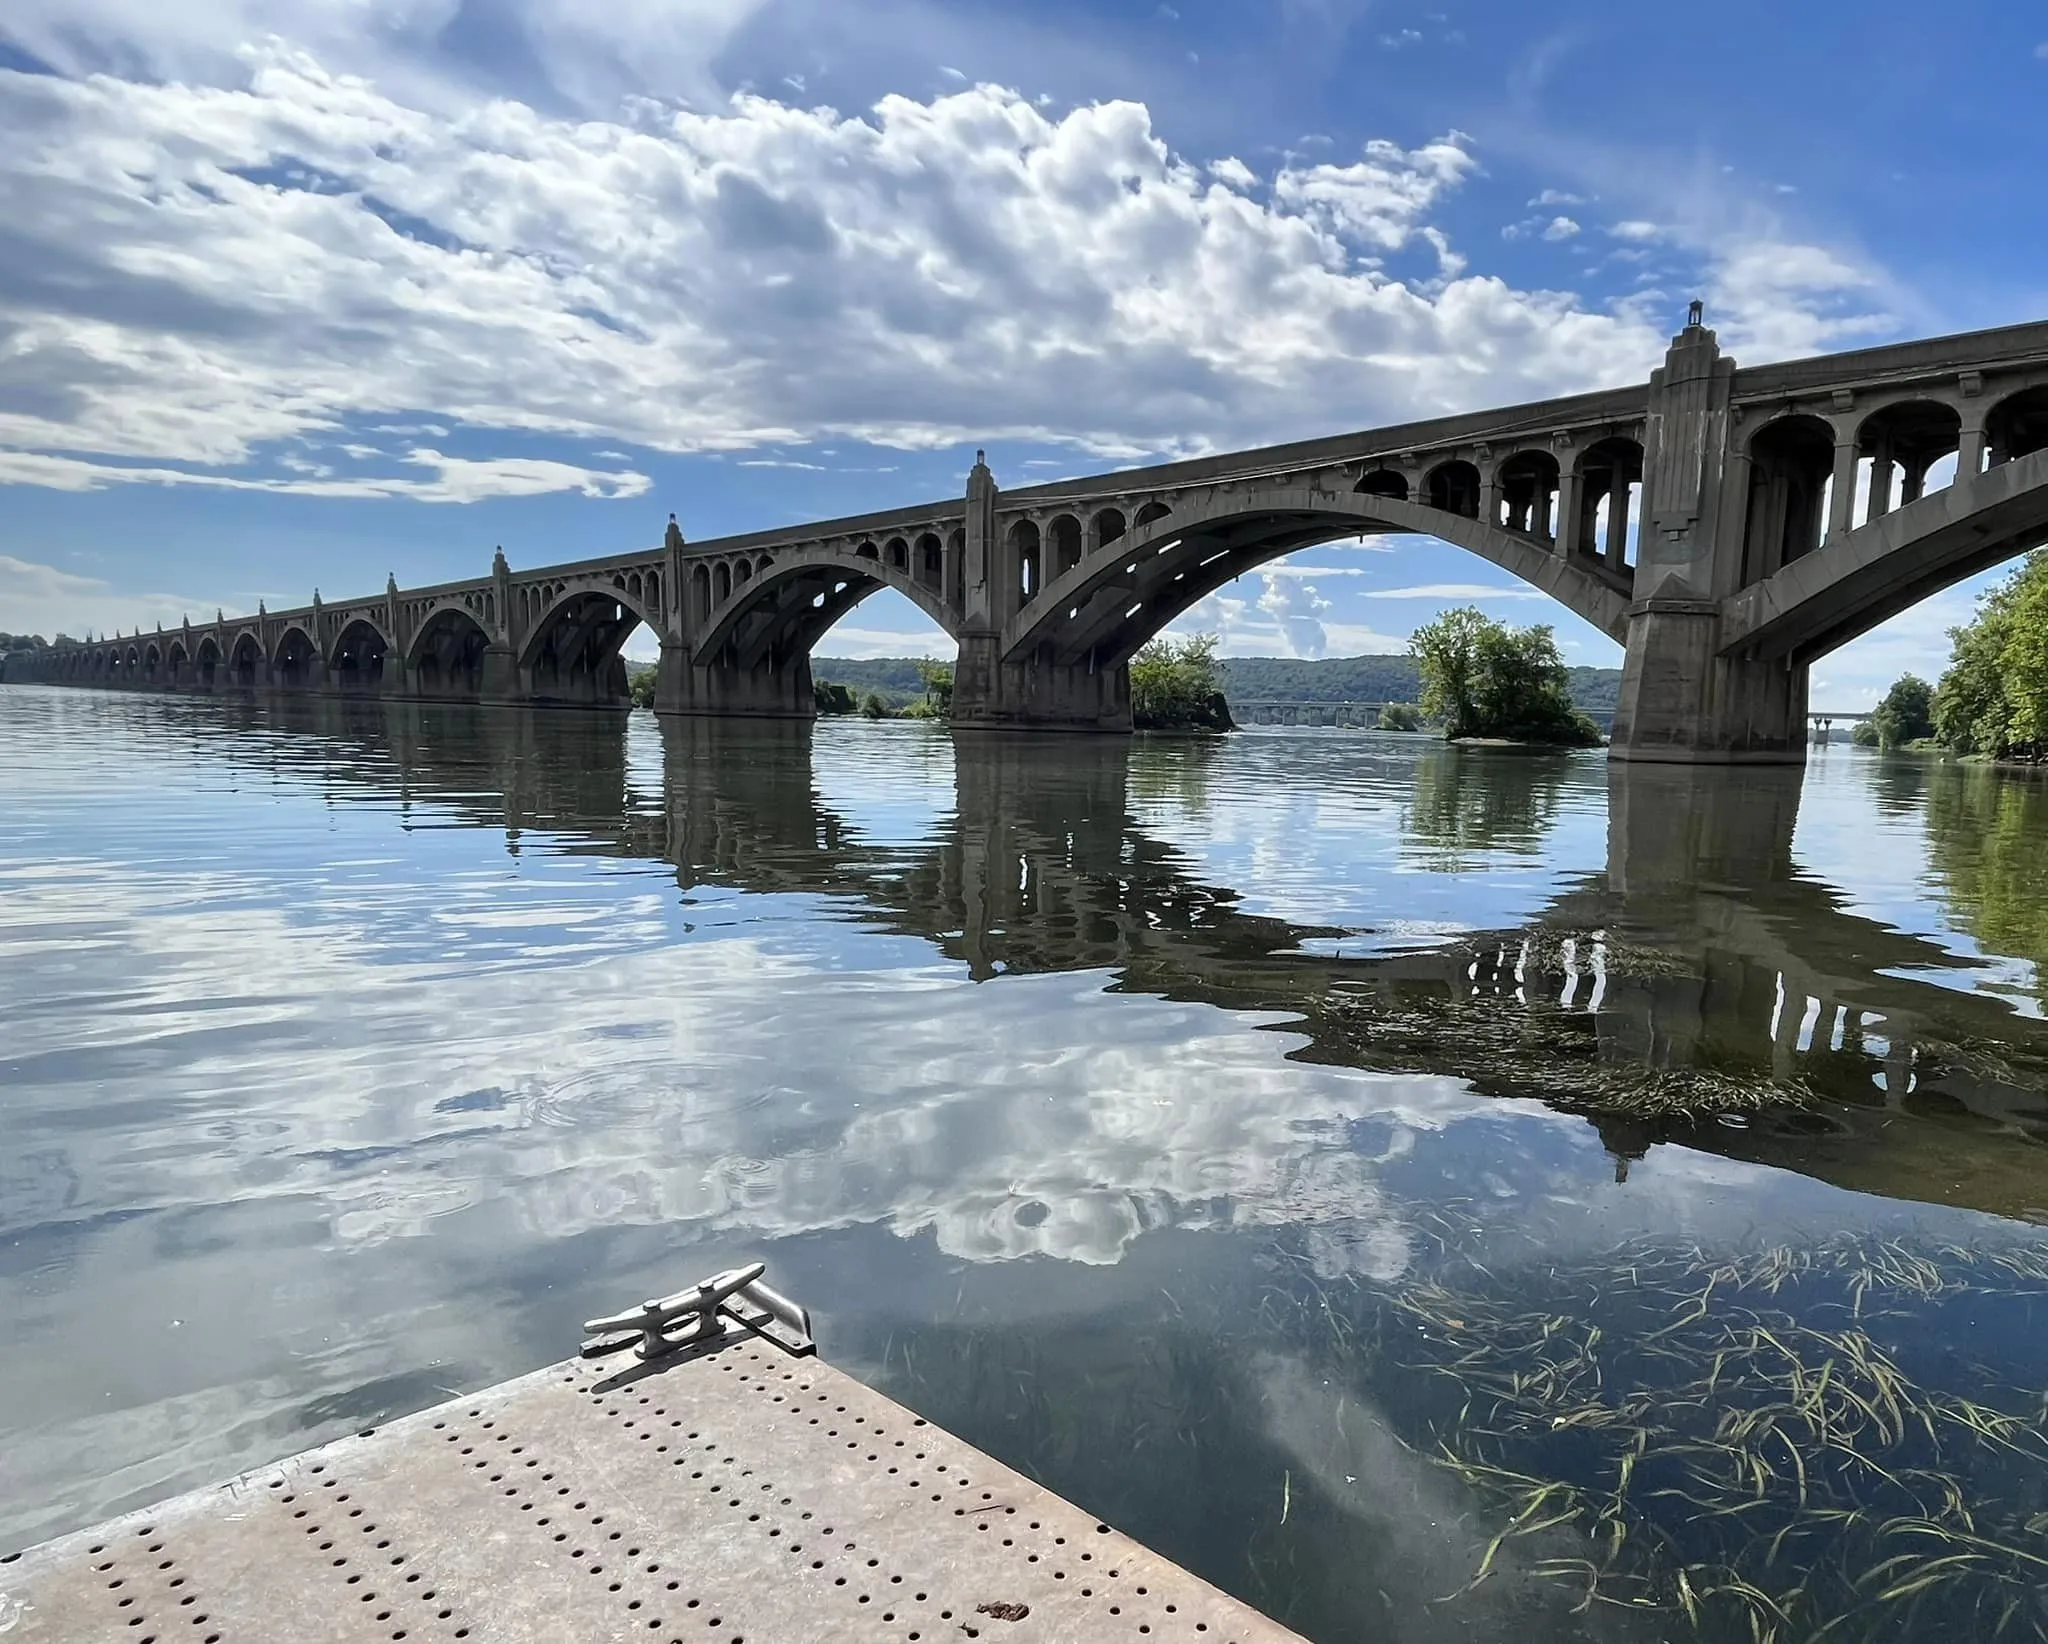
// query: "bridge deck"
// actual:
[[741, 1494]]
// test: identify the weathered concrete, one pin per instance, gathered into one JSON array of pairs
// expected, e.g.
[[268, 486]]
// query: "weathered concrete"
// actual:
[[1709, 521]]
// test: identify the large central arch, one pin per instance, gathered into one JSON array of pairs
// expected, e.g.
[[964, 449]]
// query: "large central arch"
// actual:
[[447, 655], [1110, 605], [791, 600]]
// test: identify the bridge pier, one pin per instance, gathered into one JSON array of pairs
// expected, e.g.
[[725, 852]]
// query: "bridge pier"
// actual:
[[1682, 701], [1036, 695], [775, 689]]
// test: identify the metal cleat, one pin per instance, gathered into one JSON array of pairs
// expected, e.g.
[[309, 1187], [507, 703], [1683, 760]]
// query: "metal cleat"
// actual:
[[729, 1303]]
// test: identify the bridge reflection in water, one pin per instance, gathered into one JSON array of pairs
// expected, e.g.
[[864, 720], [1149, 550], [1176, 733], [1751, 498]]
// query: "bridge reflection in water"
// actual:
[[1696, 989]]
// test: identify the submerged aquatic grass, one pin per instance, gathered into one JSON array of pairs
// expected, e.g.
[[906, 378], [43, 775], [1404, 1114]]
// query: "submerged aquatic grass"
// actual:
[[1736, 1441]]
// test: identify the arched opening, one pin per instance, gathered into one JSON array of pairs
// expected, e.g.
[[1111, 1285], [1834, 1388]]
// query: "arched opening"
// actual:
[[931, 561], [292, 667], [573, 656], [1528, 492], [2018, 425], [1024, 550], [1790, 463], [868, 550], [152, 666], [1150, 514], [1454, 487], [177, 664], [721, 583], [1107, 525], [206, 665], [1896, 447], [357, 663], [899, 554], [700, 592], [245, 662], [1610, 481], [1065, 533], [742, 572], [1384, 482], [448, 655]]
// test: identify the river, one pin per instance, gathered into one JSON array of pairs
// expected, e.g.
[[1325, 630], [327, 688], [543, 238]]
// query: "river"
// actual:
[[1429, 1192]]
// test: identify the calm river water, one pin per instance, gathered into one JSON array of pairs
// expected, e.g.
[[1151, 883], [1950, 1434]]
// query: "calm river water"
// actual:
[[1429, 1192]]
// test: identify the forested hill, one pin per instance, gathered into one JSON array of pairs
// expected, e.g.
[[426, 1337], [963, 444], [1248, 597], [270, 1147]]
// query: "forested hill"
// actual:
[[1246, 679]]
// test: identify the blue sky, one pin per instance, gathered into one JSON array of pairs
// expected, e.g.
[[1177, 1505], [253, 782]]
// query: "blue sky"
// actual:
[[296, 292]]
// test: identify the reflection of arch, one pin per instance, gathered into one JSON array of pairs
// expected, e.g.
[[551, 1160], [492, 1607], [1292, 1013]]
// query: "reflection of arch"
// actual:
[[1384, 482], [357, 661], [572, 655], [447, 654], [789, 607], [293, 660], [1113, 603], [1791, 460], [1453, 488]]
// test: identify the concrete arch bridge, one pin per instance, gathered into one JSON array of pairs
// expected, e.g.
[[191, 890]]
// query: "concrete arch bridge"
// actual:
[[1726, 526]]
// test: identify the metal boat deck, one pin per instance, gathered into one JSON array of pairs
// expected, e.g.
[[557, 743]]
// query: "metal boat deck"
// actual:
[[724, 1493]]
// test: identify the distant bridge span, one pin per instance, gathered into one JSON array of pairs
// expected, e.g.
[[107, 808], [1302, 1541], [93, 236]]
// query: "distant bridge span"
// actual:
[[1726, 526]]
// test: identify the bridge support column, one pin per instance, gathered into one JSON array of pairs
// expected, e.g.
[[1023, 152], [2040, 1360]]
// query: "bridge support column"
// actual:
[[725, 690], [498, 676], [1039, 695], [1683, 702]]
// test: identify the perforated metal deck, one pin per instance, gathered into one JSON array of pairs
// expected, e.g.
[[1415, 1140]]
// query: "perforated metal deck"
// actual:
[[738, 1495]]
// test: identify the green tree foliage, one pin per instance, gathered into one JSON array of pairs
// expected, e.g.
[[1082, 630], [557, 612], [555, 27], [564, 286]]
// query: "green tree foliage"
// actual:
[[1175, 685], [1994, 698], [1400, 716], [10, 644], [1482, 678], [937, 701], [832, 698], [1906, 714], [640, 682], [873, 707], [1865, 734]]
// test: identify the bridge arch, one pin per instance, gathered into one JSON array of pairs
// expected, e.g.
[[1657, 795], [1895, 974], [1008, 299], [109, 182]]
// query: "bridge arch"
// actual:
[[356, 661], [295, 659], [788, 607], [245, 659], [1826, 598], [209, 662], [1113, 603], [152, 664], [572, 653], [2017, 426], [446, 657]]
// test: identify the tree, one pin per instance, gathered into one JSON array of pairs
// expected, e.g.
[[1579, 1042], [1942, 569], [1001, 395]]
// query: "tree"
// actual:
[[1483, 678], [1177, 686], [937, 701], [640, 683], [1906, 714], [1400, 716], [1994, 698], [873, 707], [1864, 735], [832, 699]]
